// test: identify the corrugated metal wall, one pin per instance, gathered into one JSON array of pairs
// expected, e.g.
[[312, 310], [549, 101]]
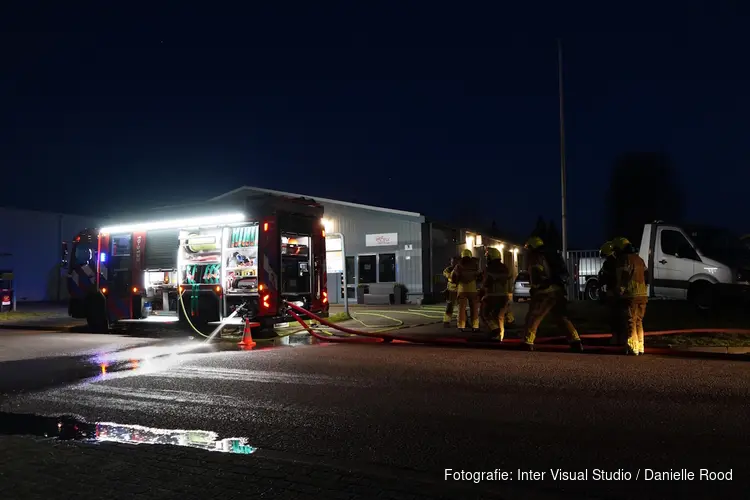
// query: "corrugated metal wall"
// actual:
[[356, 223], [30, 246]]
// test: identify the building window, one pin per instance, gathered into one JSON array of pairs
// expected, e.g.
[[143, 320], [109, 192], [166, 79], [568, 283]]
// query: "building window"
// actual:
[[387, 268], [368, 269]]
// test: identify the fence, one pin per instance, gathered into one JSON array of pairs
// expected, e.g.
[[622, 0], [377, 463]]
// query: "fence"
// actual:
[[583, 266]]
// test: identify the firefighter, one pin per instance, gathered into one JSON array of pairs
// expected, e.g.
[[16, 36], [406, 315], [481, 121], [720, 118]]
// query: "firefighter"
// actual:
[[609, 297], [631, 284], [494, 303], [548, 294], [465, 276], [450, 303]]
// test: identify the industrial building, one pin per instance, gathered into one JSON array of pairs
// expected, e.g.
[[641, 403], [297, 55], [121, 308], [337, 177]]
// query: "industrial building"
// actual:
[[382, 248], [31, 249]]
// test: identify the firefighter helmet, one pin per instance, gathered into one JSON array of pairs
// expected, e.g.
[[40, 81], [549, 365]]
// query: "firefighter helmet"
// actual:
[[620, 243], [534, 242], [493, 254], [467, 253], [607, 249]]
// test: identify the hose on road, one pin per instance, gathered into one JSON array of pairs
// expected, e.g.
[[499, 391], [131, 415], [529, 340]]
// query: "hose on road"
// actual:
[[381, 337]]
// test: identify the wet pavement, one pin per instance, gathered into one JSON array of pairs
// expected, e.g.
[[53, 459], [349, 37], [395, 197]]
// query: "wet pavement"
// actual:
[[385, 410]]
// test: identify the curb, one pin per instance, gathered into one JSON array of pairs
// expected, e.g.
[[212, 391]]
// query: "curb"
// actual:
[[38, 327], [712, 349]]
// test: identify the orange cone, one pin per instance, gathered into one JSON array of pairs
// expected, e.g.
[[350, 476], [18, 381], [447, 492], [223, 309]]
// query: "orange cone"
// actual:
[[247, 335]]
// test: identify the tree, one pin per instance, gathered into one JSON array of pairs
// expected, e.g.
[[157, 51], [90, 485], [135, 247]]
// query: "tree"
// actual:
[[643, 188], [553, 239], [540, 229]]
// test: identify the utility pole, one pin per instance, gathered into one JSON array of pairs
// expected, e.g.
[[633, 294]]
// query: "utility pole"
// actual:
[[563, 182], [343, 259]]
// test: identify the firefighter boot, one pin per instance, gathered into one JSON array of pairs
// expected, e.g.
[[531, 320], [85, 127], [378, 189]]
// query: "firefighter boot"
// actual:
[[496, 335]]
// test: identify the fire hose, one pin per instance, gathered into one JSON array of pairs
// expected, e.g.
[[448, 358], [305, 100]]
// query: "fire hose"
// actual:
[[357, 336]]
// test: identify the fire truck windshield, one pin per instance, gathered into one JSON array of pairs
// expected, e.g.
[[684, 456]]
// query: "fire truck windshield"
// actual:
[[83, 253]]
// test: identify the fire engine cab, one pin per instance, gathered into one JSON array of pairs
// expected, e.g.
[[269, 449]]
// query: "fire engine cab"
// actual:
[[201, 268]]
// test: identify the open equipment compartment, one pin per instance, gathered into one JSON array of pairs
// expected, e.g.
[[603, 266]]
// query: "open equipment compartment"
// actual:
[[239, 265], [296, 278]]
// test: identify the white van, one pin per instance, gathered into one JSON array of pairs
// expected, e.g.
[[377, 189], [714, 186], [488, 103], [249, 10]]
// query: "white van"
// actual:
[[702, 264]]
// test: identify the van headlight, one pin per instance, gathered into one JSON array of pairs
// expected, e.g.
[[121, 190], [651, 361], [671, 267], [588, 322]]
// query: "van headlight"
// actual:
[[742, 277]]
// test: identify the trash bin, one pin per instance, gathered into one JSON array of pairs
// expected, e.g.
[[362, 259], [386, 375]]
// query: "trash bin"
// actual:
[[7, 292], [361, 291]]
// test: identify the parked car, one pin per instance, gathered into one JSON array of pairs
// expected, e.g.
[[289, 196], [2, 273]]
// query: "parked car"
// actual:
[[522, 287]]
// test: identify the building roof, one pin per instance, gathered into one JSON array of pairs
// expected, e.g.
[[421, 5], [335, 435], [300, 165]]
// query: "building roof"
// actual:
[[316, 198]]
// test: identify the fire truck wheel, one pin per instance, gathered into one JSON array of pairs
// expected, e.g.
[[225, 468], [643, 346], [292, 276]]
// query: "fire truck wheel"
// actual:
[[96, 315]]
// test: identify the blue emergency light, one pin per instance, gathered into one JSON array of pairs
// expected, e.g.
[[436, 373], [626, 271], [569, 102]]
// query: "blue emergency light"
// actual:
[[102, 257]]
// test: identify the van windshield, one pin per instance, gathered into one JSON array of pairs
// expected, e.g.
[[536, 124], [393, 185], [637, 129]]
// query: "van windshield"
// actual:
[[716, 242]]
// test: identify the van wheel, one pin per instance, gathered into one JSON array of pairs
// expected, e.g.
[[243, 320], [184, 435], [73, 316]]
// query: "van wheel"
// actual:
[[592, 290], [701, 295]]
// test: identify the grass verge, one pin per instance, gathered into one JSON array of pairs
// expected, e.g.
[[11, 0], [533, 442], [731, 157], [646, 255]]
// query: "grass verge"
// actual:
[[589, 317], [338, 317], [22, 315], [700, 340]]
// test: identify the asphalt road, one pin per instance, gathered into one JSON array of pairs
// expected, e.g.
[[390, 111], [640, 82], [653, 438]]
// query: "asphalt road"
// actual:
[[428, 409]]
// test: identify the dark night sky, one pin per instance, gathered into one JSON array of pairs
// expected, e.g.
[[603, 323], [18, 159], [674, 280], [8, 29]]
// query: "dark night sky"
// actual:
[[397, 108]]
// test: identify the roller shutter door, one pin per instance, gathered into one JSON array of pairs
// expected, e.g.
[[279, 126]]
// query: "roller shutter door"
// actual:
[[161, 249]]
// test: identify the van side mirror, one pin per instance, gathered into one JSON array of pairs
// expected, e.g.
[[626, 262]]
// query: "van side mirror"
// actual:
[[64, 254]]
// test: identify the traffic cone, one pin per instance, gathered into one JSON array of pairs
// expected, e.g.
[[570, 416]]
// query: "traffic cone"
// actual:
[[247, 341]]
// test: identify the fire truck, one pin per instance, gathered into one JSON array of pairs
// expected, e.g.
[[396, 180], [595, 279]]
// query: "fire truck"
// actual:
[[256, 252]]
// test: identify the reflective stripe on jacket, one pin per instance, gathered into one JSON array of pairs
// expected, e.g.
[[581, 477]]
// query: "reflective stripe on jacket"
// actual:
[[496, 280], [540, 274], [466, 274], [631, 276], [447, 273]]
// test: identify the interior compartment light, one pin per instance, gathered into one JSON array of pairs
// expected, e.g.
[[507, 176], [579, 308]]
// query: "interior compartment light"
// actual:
[[211, 220], [478, 240]]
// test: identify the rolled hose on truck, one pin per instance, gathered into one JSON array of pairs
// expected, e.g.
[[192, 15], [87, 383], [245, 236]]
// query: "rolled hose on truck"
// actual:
[[380, 337]]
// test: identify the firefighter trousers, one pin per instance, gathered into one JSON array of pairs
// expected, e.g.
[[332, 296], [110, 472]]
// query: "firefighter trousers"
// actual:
[[450, 304], [470, 299], [544, 303], [494, 309], [615, 318], [510, 318], [634, 310]]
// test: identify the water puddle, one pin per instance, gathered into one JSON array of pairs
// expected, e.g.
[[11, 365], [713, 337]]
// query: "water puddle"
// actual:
[[66, 428]]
